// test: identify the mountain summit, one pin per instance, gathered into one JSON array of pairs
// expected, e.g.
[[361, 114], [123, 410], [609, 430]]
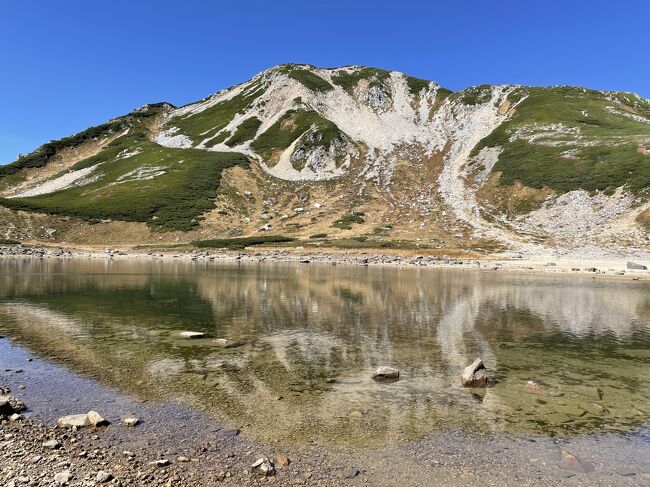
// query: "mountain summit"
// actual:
[[350, 152]]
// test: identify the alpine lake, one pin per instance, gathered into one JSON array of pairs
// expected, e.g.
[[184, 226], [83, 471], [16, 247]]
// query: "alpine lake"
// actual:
[[289, 349]]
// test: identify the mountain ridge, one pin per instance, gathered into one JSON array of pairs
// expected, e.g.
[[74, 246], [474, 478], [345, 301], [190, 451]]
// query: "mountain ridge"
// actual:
[[490, 165]]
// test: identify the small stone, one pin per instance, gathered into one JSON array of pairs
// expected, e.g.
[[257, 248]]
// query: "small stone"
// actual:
[[15, 417], [131, 422], [103, 477], [21, 386], [159, 463], [225, 343], [533, 386], [73, 421], [351, 473], [182, 459], [191, 334], [63, 478], [96, 419], [52, 444], [385, 373], [128, 453], [282, 461], [263, 467], [475, 375], [221, 476]]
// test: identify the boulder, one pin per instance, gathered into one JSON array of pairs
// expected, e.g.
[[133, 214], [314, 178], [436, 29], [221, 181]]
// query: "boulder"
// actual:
[[191, 334], [263, 467], [385, 373], [73, 421], [52, 444], [637, 267], [95, 419], [475, 375]]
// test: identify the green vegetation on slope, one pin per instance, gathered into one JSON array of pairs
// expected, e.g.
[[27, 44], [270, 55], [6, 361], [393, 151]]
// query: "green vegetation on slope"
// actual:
[[416, 85], [349, 81], [245, 131], [568, 138], [200, 126], [310, 80], [289, 127], [346, 222], [241, 242], [167, 188], [42, 155], [6, 241]]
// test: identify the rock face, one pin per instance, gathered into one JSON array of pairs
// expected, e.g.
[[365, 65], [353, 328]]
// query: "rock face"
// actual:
[[475, 375], [386, 374], [635, 266], [263, 467]]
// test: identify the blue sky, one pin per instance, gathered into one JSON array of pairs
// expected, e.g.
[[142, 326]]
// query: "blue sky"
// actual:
[[66, 65]]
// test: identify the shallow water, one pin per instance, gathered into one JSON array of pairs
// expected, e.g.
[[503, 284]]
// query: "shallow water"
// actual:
[[313, 334]]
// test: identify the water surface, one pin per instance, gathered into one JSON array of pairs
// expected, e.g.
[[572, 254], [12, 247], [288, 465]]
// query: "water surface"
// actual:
[[311, 336]]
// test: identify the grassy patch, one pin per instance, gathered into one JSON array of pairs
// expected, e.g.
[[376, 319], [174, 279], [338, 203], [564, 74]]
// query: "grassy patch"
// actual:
[[202, 125], [289, 127], [310, 80], [349, 81], [241, 242], [318, 235], [183, 188], [346, 222], [218, 139], [245, 131], [416, 85], [476, 95], [6, 241], [603, 144]]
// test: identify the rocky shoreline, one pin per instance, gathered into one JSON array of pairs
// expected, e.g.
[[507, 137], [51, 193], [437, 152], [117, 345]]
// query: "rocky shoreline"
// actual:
[[175, 445], [620, 268]]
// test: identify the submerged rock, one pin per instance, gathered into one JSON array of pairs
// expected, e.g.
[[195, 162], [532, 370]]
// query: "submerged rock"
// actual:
[[263, 467], [225, 343], [385, 373], [635, 266], [191, 334], [475, 375]]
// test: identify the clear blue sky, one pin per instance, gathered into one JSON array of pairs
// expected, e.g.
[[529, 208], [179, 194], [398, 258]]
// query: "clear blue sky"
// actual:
[[66, 65]]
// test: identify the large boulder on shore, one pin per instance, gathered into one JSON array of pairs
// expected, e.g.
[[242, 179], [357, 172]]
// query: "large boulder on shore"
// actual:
[[475, 375], [385, 373], [73, 421], [9, 406], [635, 266]]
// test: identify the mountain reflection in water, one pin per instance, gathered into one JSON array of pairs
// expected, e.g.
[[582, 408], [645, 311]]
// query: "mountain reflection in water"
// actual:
[[312, 335]]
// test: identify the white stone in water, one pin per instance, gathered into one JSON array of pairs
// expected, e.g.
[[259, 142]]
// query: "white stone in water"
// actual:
[[73, 421], [386, 373], [96, 419], [191, 334], [131, 422]]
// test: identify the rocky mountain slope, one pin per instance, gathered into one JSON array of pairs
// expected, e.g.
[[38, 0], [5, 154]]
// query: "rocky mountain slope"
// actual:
[[350, 154]]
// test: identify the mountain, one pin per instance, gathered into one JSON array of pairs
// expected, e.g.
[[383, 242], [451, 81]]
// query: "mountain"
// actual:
[[349, 153]]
